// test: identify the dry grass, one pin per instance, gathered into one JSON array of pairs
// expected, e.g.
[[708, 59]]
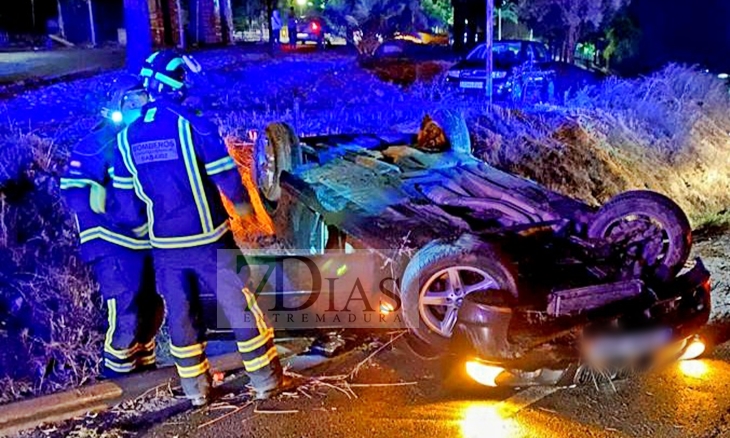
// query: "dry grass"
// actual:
[[49, 304], [668, 132]]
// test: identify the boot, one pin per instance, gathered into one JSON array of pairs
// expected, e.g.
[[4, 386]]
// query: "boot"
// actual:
[[197, 389], [270, 381]]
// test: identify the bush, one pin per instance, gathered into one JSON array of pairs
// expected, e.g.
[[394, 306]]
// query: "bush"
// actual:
[[49, 307]]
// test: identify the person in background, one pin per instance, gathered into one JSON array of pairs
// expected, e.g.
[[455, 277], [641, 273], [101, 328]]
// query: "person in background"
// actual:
[[119, 256], [291, 24], [178, 164], [275, 28]]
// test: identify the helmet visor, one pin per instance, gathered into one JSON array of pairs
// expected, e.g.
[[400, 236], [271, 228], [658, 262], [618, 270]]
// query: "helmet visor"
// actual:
[[134, 100]]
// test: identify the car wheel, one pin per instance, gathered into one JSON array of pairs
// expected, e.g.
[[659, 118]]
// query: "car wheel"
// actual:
[[437, 279], [649, 228], [276, 152]]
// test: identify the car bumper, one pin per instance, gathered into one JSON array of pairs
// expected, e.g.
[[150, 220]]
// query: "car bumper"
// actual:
[[499, 85], [674, 318]]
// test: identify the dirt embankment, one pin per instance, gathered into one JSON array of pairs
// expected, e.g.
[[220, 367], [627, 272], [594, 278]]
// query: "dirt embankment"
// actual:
[[669, 132]]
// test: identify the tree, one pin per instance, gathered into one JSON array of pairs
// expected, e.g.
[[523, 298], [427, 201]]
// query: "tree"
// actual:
[[440, 12], [624, 37], [370, 21], [573, 17], [270, 6], [139, 34], [506, 11]]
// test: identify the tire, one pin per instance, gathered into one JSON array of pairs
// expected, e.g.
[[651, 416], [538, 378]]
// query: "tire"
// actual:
[[476, 259], [294, 223], [664, 215], [276, 152], [448, 125]]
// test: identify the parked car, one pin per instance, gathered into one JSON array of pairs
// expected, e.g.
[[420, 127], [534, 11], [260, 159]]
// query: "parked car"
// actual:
[[313, 29], [520, 68], [403, 61]]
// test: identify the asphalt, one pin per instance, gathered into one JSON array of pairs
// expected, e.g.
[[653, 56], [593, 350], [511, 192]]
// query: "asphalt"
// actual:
[[430, 399], [35, 65]]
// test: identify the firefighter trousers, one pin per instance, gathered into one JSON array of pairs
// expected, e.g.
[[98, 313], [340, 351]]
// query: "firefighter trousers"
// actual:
[[185, 278], [134, 310]]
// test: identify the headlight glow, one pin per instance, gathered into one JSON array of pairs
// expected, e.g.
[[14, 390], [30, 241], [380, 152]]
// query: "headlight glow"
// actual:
[[482, 373], [694, 349], [386, 308]]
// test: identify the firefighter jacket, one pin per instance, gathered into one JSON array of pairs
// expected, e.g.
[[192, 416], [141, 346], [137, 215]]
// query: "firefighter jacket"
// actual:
[[176, 162], [85, 186]]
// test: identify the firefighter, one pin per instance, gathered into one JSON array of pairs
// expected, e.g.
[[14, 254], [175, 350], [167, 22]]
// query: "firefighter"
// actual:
[[120, 257], [176, 162]]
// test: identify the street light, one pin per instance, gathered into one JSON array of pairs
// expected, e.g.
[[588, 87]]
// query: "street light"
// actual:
[[301, 4]]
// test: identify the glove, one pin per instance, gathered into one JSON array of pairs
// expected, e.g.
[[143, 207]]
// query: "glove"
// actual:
[[243, 210]]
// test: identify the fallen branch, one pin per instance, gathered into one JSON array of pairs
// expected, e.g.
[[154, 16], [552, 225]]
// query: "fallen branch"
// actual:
[[215, 420], [257, 411], [367, 359], [221, 407], [154, 389], [380, 385]]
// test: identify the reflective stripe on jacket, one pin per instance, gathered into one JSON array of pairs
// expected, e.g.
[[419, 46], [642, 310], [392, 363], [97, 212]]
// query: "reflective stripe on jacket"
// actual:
[[176, 162], [85, 186]]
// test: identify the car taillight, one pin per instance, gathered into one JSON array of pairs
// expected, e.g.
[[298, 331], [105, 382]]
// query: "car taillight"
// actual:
[[315, 26]]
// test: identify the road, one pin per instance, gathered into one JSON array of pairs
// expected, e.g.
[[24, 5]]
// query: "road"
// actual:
[[35, 65], [690, 399], [387, 392], [686, 399]]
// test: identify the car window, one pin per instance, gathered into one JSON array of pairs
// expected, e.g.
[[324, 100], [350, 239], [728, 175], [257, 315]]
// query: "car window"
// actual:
[[529, 54], [477, 54], [503, 52], [541, 53]]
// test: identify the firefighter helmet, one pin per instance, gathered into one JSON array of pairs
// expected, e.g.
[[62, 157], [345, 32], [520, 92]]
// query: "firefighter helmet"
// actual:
[[124, 100], [166, 72]]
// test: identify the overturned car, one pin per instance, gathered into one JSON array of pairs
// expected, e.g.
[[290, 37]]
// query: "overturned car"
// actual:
[[523, 282]]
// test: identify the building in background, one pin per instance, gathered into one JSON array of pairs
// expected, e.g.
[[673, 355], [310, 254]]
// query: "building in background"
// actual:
[[173, 23]]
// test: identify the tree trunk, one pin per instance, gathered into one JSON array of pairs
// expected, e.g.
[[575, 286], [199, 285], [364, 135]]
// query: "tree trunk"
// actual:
[[471, 33], [499, 24], [182, 43], [570, 44], [270, 13], [459, 26], [227, 21], [139, 35]]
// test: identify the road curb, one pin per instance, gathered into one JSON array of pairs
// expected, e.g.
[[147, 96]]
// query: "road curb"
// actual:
[[26, 414]]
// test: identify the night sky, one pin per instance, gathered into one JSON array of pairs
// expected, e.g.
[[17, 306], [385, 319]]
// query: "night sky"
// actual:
[[695, 32]]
